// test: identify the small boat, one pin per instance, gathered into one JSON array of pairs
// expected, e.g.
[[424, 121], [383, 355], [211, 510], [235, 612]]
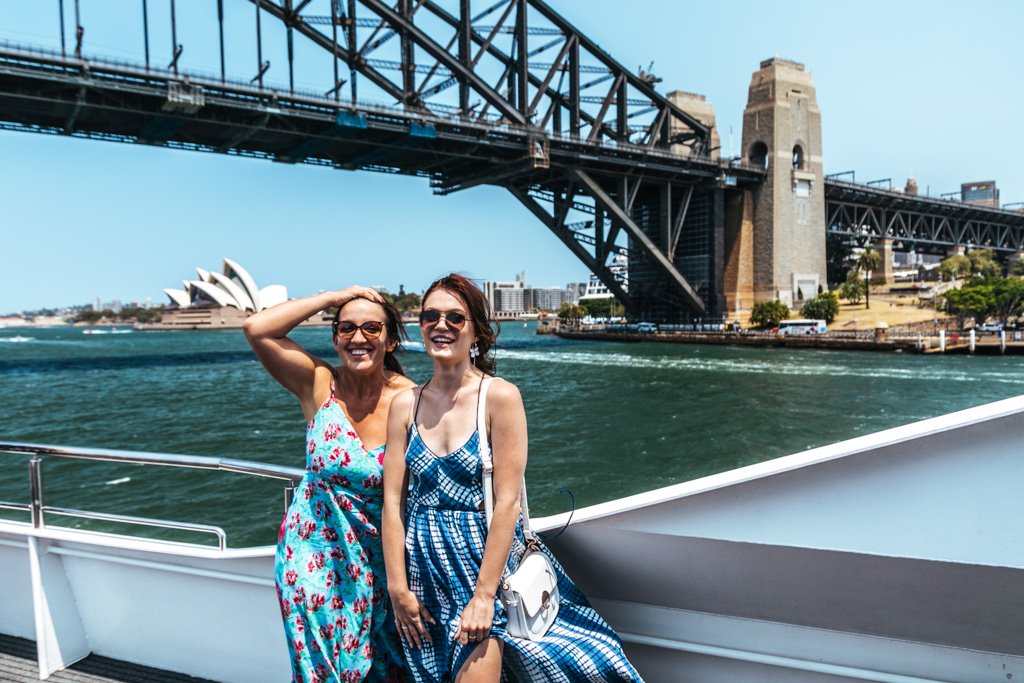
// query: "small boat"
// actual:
[[894, 556]]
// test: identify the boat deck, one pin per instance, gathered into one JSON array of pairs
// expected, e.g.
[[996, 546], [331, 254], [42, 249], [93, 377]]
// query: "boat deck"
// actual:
[[18, 665]]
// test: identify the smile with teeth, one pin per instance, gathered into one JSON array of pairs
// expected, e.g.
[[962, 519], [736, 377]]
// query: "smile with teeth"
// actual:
[[442, 339], [359, 352]]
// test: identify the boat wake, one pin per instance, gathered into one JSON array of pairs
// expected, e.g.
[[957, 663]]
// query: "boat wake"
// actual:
[[17, 340], [754, 367]]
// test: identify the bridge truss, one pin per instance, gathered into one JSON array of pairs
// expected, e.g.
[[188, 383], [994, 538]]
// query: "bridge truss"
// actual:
[[505, 93], [865, 214]]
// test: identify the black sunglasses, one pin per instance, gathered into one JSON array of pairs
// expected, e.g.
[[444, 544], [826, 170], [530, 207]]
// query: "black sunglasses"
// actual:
[[347, 329], [453, 319]]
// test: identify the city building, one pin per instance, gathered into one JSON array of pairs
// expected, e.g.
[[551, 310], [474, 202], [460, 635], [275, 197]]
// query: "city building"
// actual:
[[982, 193]]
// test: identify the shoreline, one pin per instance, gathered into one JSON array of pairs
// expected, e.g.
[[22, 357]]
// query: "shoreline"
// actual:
[[917, 344]]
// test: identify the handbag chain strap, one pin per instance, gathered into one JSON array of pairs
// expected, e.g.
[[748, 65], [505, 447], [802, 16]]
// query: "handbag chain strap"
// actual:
[[488, 467]]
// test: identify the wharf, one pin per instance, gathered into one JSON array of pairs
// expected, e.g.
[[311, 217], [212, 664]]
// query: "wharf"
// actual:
[[984, 345]]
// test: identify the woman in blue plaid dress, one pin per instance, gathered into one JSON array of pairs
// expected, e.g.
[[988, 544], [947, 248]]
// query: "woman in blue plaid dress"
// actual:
[[443, 563]]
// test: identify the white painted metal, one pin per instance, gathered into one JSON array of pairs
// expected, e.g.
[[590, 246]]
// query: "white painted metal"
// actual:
[[896, 557], [912, 536]]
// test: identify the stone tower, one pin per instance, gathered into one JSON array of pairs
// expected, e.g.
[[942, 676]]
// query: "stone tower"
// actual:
[[782, 132]]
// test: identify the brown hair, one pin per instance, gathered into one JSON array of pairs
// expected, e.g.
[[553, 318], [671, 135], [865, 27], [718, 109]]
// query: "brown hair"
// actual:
[[393, 325], [486, 328]]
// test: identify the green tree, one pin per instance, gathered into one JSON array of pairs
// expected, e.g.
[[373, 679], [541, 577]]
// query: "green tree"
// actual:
[[1018, 268], [984, 264], [600, 308], [838, 255], [1008, 298], [853, 289], [975, 300], [571, 313], [955, 267], [868, 262], [768, 313], [822, 307]]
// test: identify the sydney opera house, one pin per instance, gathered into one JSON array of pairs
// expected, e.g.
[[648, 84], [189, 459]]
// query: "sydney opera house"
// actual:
[[223, 299]]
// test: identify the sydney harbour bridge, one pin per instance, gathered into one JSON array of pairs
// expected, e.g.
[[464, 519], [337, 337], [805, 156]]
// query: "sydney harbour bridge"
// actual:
[[466, 93]]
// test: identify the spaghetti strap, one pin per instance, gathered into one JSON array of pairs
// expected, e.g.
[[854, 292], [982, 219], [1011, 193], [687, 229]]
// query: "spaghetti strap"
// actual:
[[419, 394], [416, 402]]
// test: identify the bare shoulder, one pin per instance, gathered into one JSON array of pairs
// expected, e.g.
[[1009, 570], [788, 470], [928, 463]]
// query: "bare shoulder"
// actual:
[[403, 399], [400, 382], [503, 393]]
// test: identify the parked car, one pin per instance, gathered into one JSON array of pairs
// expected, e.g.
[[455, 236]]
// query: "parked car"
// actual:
[[646, 327], [993, 328]]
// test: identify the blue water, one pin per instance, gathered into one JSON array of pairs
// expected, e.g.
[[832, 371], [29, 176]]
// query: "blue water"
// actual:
[[605, 419]]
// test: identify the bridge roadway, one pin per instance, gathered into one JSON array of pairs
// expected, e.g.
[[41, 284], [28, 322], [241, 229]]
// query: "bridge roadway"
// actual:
[[867, 214]]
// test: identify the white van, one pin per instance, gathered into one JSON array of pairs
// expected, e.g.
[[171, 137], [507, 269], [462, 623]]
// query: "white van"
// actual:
[[802, 327]]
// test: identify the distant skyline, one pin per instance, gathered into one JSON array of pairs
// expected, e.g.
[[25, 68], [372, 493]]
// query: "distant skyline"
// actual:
[[930, 89]]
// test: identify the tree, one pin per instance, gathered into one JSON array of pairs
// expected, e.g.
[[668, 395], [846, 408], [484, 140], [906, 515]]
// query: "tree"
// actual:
[[955, 267], [869, 261], [1008, 298], [853, 289], [604, 307], [838, 253], [973, 300], [822, 307], [768, 313], [984, 264], [571, 313]]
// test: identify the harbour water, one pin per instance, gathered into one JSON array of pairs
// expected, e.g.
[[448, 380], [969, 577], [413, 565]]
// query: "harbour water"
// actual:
[[606, 419]]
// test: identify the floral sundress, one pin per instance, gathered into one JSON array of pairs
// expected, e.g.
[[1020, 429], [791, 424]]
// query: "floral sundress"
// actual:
[[330, 564]]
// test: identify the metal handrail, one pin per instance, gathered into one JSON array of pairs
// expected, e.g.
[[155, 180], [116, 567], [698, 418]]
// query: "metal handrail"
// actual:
[[201, 462], [37, 508]]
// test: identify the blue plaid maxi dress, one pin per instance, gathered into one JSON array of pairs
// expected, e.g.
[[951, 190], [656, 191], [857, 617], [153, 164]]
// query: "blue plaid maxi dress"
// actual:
[[330, 565], [446, 530]]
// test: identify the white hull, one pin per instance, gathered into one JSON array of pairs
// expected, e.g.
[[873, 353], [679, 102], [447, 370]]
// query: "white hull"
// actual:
[[896, 556]]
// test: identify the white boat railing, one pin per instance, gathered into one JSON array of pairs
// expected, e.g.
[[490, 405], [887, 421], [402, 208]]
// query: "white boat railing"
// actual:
[[37, 509]]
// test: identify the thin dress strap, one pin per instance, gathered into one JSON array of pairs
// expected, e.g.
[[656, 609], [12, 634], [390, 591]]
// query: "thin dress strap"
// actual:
[[416, 409]]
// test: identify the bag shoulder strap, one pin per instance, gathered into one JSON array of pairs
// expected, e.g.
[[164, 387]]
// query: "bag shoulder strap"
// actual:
[[487, 462]]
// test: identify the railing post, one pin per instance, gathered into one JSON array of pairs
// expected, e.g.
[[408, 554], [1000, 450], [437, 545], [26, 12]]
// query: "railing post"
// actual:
[[289, 494], [35, 475]]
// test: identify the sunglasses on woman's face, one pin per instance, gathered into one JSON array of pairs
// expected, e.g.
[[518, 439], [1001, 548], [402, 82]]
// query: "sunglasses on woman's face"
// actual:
[[347, 329], [431, 317]]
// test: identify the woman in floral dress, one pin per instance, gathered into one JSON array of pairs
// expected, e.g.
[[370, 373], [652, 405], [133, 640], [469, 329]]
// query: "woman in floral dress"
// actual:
[[330, 566], [444, 564]]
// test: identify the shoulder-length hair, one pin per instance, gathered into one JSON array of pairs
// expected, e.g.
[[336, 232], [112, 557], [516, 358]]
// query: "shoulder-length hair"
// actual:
[[393, 325], [485, 327]]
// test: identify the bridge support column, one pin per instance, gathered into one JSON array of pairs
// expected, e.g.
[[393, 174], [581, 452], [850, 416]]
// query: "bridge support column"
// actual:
[[956, 250], [782, 132], [884, 275], [738, 284]]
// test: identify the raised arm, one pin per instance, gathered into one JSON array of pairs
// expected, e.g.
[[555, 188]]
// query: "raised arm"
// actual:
[[409, 612], [507, 421], [286, 361]]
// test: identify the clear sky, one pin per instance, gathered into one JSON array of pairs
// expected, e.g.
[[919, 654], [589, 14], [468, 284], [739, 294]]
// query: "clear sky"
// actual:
[[929, 88]]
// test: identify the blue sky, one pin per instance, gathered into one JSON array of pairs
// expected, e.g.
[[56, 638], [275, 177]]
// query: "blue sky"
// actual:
[[932, 89]]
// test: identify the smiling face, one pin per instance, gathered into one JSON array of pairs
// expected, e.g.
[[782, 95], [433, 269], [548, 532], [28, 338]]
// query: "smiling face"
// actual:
[[443, 340], [358, 352]]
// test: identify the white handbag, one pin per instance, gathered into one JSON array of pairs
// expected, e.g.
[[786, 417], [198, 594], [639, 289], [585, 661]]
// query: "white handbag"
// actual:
[[530, 593]]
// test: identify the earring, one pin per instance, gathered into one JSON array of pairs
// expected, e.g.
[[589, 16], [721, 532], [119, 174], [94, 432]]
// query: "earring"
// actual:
[[474, 352]]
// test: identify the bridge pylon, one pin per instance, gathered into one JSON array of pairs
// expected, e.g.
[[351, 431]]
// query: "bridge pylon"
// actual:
[[782, 133]]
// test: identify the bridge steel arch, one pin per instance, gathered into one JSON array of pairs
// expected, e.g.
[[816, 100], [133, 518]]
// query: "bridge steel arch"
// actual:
[[510, 94]]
